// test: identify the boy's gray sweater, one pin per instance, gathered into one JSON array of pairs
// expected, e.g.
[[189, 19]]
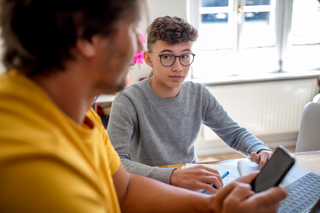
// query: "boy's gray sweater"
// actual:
[[147, 130]]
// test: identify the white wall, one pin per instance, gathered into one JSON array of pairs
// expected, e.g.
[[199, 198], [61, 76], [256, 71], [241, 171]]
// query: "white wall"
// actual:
[[167, 7], [157, 8]]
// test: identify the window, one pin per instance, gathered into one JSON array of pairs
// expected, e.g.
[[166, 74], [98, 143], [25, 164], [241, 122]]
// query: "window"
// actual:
[[239, 37], [304, 41]]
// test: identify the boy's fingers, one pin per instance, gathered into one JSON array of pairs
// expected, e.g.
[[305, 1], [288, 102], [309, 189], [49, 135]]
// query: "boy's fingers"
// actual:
[[255, 157]]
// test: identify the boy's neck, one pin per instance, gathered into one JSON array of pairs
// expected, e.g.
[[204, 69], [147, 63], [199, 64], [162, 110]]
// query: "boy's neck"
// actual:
[[162, 90]]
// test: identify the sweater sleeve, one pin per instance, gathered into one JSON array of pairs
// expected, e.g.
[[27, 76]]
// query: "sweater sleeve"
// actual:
[[123, 123], [238, 138]]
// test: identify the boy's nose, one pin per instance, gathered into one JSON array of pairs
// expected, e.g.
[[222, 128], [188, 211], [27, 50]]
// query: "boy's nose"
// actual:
[[177, 66]]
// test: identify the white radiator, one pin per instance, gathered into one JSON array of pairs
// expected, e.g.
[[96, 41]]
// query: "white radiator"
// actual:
[[267, 108]]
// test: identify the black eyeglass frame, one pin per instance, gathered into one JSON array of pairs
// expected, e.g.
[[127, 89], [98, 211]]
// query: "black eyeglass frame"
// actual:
[[175, 58]]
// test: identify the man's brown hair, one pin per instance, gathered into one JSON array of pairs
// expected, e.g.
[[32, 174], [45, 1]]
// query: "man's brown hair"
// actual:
[[38, 34], [172, 30]]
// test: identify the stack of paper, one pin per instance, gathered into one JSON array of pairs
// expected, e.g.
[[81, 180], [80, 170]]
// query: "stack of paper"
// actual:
[[243, 168], [247, 167]]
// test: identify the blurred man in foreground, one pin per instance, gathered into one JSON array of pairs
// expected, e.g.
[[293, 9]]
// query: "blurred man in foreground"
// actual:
[[55, 155]]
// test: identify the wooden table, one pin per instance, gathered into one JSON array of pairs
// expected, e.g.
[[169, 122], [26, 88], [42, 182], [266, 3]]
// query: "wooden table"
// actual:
[[309, 160]]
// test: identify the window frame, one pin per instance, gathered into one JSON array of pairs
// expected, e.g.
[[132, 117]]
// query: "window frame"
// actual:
[[282, 26]]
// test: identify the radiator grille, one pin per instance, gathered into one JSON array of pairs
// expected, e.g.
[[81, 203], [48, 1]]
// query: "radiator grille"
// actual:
[[265, 108]]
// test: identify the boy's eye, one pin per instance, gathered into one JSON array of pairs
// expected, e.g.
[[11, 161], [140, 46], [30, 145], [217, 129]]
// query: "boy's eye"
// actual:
[[167, 56], [185, 56]]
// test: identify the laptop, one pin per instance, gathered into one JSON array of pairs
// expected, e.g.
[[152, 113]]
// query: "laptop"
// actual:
[[303, 188], [316, 208], [302, 185]]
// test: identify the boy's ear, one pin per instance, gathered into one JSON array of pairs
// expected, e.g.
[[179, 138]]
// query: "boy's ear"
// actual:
[[147, 58]]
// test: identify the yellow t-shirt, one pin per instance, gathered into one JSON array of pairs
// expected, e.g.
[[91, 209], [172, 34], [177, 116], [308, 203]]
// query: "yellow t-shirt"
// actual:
[[48, 163]]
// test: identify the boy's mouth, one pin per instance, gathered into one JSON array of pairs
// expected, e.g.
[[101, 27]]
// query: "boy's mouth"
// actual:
[[176, 77]]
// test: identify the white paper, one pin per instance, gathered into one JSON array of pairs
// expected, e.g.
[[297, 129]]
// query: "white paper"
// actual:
[[247, 167], [243, 168]]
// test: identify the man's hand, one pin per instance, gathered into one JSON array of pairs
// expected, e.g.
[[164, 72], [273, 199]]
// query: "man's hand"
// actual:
[[238, 197], [197, 177], [261, 157]]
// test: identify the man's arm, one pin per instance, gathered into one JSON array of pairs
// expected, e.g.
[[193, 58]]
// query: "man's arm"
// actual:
[[141, 194], [194, 178]]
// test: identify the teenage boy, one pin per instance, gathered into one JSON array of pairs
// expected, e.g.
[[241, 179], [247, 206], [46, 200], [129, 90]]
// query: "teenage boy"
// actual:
[[55, 155], [156, 121]]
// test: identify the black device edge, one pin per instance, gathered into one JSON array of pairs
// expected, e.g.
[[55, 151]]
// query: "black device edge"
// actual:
[[284, 174]]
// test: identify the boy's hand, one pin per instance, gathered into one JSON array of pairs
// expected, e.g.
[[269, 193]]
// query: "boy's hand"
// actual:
[[261, 157], [196, 178]]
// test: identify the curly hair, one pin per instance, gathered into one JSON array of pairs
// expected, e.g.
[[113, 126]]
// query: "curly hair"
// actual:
[[172, 30], [38, 34]]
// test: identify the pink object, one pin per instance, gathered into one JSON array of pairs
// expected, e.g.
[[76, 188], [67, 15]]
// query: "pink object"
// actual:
[[138, 57]]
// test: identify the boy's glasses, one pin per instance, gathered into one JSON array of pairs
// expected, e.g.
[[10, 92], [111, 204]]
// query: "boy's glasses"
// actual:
[[168, 60]]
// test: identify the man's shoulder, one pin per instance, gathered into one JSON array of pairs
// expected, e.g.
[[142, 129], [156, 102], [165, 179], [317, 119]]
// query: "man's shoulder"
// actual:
[[30, 126], [28, 117], [28, 135]]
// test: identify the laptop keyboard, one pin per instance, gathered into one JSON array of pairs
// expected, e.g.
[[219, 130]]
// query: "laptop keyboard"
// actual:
[[302, 194]]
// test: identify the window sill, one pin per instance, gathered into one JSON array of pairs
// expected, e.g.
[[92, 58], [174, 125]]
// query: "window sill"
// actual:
[[105, 98], [243, 79], [227, 80]]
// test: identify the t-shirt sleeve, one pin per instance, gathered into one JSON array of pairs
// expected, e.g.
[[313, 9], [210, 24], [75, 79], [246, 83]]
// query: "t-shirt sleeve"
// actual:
[[113, 157]]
